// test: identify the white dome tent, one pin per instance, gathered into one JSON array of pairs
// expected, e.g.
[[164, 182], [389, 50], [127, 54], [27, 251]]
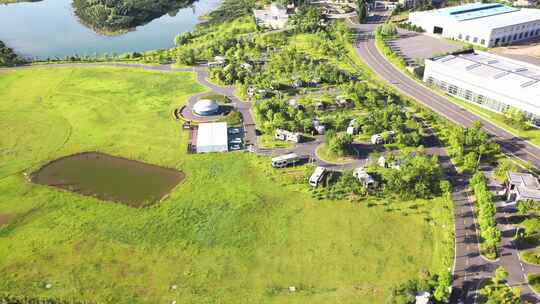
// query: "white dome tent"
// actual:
[[206, 107]]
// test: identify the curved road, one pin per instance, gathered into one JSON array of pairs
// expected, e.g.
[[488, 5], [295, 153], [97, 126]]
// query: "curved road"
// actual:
[[470, 267]]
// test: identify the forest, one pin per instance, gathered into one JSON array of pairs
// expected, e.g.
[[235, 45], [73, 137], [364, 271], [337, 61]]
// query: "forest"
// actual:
[[113, 16]]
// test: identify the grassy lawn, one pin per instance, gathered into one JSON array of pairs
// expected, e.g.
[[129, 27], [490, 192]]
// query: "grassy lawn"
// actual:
[[330, 157], [531, 256], [235, 231], [534, 281], [268, 141], [532, 135]]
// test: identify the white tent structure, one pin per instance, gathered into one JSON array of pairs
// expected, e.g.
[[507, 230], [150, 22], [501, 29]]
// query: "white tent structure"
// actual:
[[212, 137]]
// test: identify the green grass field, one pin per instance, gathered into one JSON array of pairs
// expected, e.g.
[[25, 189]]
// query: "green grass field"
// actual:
[[235, 231]]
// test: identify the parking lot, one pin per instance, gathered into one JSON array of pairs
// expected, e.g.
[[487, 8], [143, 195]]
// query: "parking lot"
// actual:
[[236, 138], [412, 45]]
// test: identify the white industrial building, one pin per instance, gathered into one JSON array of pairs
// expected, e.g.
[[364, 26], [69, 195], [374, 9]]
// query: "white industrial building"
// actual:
[[212, 137], [485, 24], [491, 81]]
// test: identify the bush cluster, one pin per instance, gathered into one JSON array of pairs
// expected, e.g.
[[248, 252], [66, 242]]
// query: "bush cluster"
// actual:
[[486, 210]]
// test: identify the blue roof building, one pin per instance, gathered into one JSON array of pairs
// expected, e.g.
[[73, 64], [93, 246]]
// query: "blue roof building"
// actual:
[[485, 24]]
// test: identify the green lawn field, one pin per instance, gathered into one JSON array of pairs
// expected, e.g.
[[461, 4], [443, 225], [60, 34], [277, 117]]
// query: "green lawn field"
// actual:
[[235, 230]]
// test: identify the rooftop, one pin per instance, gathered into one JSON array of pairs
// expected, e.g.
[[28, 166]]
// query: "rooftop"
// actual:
[[476, 10], [527, 185], [518, 80], [212, 137]]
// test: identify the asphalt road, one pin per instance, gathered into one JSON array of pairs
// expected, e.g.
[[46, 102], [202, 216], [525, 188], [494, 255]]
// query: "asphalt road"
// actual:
[[470, 269]]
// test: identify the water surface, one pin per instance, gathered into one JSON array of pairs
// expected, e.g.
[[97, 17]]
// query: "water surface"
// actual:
[[49, 28], [109, 178]]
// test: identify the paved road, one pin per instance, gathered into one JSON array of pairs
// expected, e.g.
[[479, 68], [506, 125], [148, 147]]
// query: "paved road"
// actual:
[[470, 268]]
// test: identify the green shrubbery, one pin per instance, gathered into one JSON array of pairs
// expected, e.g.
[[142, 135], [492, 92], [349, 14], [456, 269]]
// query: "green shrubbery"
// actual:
[[436, 284], [468, 147], [8, 56], [486, 210], [496, 291]]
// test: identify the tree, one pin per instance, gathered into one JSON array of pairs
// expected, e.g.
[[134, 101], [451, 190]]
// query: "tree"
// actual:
[[525, 206], [500, 275], [338, 143], [361, 10], [307, 20]]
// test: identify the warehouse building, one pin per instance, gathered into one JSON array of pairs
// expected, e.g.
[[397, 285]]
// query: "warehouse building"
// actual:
[[485, 24], [212, 137], [491, 81]]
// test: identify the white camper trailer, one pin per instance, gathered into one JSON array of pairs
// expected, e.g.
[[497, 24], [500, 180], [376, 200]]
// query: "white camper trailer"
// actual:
[[317, 177], [285, 160]]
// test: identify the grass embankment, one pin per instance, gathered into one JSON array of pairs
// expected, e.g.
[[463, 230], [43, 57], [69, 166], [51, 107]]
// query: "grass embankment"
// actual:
[[498, 119], [234, 231]]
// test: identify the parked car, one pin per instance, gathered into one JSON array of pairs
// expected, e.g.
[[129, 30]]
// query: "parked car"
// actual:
[[235, 147], [237, 140], [234, 130]]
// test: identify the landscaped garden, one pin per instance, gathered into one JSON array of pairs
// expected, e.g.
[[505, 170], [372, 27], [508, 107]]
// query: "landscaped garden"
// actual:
[[235, 230]]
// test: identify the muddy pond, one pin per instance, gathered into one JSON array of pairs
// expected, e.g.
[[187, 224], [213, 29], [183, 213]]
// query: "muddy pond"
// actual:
[[109, 178]]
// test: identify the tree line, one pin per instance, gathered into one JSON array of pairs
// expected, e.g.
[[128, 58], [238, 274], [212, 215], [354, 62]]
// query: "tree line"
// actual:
[[8, 57], [486, 210]]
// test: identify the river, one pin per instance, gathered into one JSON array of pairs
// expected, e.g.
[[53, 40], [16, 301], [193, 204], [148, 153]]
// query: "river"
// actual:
[[49, 28]]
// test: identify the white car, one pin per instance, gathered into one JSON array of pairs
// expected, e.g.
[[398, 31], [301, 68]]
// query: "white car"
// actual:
[[234, 130], [235, 147], [236, 141]]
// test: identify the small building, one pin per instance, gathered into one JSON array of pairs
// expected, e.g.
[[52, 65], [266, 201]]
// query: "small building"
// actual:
[[485, 24], [364, 178], [525, 3], [273, 16], [286, 135], [423, 297], [320, 129], [343, 102], [522, 186], [381, 161], [317, 177], [219, 61], [206, 107], [377, 139], [212, 137]]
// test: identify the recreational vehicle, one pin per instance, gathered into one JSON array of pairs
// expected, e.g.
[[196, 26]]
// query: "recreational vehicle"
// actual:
[[285, 160], [317, 177]]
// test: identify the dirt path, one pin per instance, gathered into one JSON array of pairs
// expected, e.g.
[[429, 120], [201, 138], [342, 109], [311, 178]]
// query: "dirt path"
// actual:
[[5, 218]]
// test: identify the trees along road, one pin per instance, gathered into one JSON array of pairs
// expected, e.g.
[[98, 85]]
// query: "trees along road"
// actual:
[[470, 268]]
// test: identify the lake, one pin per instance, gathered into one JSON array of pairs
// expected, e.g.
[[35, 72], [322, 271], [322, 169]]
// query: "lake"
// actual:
[[49, 28], [109, 178]]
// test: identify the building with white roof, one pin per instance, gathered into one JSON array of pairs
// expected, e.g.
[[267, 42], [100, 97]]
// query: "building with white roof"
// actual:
[[212, 137], [485, 24], [273, 16], [206, 107], [491, 81], [522, 186]]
